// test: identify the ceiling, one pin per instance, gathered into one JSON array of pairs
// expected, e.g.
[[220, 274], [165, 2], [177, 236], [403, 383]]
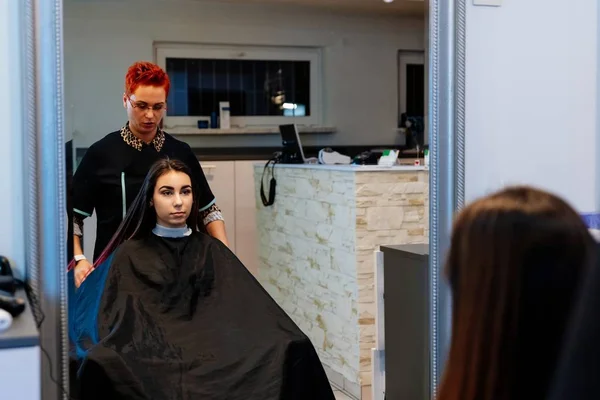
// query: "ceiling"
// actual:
[[411, 8], [415, 8]]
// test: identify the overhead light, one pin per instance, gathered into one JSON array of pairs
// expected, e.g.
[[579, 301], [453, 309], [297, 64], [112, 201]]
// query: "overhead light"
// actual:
[[388, 1]]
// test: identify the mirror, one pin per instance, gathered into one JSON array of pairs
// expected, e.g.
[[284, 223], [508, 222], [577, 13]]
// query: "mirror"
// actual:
[[351, 80]]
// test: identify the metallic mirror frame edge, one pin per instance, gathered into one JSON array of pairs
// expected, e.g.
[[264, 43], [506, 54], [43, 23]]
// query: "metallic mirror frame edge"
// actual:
[[45, 213]]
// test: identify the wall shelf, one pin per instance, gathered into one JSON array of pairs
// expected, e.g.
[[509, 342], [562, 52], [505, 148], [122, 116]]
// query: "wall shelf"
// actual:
[[256, 130]]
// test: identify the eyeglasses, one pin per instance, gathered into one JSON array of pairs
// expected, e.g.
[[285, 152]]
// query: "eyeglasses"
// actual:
[[143, 106]]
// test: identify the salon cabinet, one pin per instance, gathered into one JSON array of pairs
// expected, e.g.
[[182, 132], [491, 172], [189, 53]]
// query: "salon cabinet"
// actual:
[[232, 183], [20, 358]]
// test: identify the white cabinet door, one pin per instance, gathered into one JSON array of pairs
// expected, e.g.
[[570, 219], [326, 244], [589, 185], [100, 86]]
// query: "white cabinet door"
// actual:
[[245, 214], [20, 373], [221, 178]]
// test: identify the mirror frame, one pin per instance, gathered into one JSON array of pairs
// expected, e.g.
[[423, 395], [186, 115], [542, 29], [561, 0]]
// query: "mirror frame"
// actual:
[[43, 104], [447, 45], [45, 192]]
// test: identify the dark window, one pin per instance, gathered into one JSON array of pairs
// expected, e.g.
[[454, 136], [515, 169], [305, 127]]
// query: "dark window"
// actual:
[[415, 89], [252, 87]]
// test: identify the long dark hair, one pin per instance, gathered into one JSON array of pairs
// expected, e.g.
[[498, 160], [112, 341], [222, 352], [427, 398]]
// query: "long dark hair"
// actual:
[[515, 261], [141, 216]]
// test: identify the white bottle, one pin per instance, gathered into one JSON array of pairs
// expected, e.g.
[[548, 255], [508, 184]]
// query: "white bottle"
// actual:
[[224, 122], [426, 156]]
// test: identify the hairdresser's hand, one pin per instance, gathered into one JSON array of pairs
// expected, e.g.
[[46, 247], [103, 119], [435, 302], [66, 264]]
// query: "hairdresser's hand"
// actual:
[[82, 270]]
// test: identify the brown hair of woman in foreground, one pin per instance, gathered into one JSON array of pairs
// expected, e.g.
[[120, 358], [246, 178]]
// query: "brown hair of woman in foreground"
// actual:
[[514, 266]]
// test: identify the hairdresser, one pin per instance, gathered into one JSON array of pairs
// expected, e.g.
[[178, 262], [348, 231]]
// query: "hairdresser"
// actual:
[[111, 173]]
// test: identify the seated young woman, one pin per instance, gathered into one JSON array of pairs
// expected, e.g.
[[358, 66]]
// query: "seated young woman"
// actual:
[[171, 313], [515, 264]]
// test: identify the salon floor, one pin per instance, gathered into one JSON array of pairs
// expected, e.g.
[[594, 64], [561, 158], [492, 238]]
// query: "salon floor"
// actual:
[[340, 396]]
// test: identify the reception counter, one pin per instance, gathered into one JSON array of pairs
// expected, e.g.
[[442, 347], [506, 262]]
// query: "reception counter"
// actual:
[[316, 245]]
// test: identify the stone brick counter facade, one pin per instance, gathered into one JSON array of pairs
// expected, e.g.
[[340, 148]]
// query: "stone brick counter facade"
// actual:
[[316, 248]]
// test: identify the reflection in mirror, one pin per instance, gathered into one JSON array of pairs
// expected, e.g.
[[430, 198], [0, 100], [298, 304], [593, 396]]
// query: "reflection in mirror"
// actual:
[[353, 80]]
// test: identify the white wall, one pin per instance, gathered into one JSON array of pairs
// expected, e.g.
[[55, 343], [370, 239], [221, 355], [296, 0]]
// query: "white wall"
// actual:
[[360, 60], [11, 137], [531, 98]]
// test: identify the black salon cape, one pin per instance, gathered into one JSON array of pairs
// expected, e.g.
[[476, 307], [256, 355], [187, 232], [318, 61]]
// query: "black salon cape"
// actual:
[[183, 319]]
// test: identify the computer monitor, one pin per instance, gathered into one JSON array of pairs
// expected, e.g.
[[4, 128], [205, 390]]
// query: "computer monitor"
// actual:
[[292, 152]]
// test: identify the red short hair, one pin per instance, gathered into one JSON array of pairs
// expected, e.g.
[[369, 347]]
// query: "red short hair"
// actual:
[[144, 73]]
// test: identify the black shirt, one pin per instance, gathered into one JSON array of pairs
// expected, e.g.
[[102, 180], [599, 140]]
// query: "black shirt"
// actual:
[[111, 174]]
